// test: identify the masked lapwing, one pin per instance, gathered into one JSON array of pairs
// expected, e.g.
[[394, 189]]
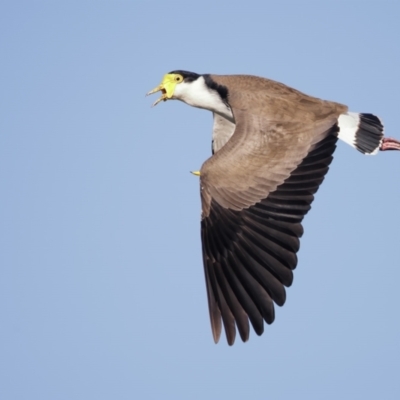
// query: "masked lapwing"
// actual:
[[272, 146]]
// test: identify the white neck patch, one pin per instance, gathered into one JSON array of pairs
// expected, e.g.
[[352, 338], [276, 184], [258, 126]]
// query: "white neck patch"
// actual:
[[198, 94]]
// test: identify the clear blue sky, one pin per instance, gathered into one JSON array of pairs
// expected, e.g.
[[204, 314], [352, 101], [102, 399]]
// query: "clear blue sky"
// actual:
[[102, 293]]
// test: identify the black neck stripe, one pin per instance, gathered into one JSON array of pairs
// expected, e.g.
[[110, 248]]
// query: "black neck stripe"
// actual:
[[221, 89]]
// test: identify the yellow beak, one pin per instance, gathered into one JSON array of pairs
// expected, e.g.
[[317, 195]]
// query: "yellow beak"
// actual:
[[167, 87]]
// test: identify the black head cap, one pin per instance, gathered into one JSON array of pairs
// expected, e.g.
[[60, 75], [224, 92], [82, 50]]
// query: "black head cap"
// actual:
[[187, 76]]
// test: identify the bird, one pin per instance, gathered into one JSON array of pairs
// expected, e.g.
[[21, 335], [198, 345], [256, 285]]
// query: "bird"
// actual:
[[272, 146]]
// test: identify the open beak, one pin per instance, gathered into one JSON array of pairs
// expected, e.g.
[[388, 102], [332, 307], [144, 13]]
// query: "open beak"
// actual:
[[166, 88], [159, 88]]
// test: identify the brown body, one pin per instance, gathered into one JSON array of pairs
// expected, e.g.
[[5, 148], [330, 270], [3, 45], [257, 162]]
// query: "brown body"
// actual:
[[276, 127]]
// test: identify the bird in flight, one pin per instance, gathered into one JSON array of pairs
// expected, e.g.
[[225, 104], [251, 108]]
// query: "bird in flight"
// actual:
[[272, 146]]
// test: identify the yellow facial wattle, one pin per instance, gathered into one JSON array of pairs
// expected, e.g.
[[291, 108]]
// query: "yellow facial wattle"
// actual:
[[167, 87]]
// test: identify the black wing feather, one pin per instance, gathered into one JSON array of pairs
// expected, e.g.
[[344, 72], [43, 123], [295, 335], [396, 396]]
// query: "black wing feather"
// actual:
[[249, 255]]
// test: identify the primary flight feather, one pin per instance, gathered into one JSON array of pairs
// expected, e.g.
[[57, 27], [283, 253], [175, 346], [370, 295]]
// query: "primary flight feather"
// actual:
[[272, 146]]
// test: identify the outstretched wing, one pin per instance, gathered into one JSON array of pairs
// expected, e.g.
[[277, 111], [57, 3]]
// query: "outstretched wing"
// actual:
[[255, 192]]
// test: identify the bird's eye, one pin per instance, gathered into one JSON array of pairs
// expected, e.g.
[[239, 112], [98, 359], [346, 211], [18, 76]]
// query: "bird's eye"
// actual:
[[178, 78]]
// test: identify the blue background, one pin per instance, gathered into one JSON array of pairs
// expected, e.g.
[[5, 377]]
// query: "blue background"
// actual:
[[102, 292]]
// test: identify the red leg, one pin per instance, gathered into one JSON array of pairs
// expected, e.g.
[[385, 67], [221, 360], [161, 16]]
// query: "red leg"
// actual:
[[390, 144]]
